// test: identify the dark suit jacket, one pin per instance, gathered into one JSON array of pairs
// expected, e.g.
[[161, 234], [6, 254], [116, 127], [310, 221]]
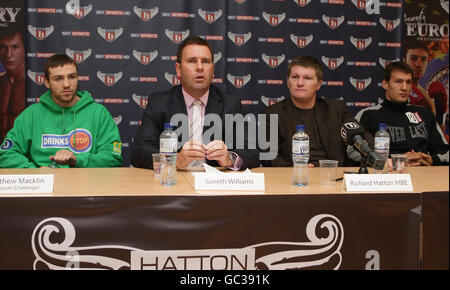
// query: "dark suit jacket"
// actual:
[[331, 115], [162, 106]]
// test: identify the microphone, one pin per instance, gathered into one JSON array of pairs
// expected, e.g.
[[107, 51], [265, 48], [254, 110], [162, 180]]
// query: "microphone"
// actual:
[[351, 134]]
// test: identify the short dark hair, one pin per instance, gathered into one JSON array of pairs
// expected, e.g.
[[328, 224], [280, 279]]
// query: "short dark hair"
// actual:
[[11, 31], [192, 40], [307, 61], [396, 66], [414, 44], [57, 60]]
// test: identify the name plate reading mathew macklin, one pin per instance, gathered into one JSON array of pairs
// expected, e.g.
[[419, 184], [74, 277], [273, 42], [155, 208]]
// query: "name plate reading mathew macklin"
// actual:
[[230, 181], [38, 183], [377, 182]]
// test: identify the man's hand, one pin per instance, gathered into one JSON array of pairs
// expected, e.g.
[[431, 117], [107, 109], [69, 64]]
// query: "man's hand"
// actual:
[[217, 150], [191, 151], [418, 159], [65, 157]]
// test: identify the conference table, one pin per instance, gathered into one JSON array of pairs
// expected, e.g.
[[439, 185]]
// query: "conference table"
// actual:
[[122, 218]]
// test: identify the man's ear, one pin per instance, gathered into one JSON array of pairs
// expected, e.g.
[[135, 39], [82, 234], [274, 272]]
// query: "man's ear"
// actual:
[[46, 83], [178, 69], [385, 85]]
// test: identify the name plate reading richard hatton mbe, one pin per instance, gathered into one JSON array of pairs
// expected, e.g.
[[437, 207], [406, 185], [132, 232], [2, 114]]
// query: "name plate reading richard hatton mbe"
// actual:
[[377, 182], [229, 181], [38, 183]]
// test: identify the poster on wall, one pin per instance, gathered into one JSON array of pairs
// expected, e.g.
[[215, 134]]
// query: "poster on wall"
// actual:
[[12, 63], [426, 51]]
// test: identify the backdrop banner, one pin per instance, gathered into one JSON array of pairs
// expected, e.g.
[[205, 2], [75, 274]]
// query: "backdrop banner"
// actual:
[[126, 49], [330, 231]]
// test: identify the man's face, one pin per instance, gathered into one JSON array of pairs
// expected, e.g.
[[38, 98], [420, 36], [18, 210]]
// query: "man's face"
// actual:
[[12, 52], [303, 84], [398, 87], [196, 69], [417, 58], [63, 84]]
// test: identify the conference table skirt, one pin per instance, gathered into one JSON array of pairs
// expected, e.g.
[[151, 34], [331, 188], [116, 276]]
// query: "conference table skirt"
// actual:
[[122, 218]]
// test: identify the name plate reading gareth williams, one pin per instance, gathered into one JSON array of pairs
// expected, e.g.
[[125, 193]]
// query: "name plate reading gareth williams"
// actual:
[[230, 181], [377, 182], [40, 183]]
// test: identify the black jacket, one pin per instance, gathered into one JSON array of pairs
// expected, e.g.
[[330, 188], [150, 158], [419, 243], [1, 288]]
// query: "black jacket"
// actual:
[[163, 106], [410, 127], [331, 114]]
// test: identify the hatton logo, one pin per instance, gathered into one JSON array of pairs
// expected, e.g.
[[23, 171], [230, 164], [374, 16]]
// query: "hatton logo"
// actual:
[[54, 246], [360, 4], [140, 100], [239, 81], [413, 117], [302, 3], [145, 57], [268, 101], [78, 12], [41, 33], [36, 77], [110, 34], [360, 84], [332, 63], [385, 62], [118, 120], [109, 79], [145, 14], [77, 141], [239, 39], [217, 57], [177, 36], [210, 16], [302, 41], [333, 22], [274, 19], [172, 79], [389, 25], [361, 43], [273, 61], [79, 56]]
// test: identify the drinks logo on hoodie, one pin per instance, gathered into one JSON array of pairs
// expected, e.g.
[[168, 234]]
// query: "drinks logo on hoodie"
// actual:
[[77, 141]]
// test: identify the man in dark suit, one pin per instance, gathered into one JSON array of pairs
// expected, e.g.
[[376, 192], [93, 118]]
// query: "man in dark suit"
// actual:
[[323, 118], [195, 68]]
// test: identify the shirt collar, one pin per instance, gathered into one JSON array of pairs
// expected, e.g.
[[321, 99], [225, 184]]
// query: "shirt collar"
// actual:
[[188, 99]]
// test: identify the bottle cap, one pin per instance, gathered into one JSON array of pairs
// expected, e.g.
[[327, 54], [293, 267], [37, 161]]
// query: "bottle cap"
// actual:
[[167, 126], [382, 126], [300, 127]]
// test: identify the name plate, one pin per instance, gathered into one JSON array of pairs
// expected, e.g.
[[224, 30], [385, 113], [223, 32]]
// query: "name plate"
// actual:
[[377, 182], [230, 181], [41, 183]]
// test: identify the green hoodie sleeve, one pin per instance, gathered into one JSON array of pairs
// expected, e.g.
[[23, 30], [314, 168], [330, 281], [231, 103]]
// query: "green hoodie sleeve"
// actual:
[[15, 149], [108, 151]]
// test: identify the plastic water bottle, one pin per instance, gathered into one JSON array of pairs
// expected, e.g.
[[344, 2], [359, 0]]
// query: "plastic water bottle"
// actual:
[[54, 164], [300, 157], [168, 140], [382, 141], [168, 153], [300, 143]]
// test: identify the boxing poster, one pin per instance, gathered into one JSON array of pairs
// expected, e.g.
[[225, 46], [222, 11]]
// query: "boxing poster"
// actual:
[[426, 51], [12, 63]]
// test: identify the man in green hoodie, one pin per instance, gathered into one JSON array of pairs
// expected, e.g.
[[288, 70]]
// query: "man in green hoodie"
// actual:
[[65, 129]]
